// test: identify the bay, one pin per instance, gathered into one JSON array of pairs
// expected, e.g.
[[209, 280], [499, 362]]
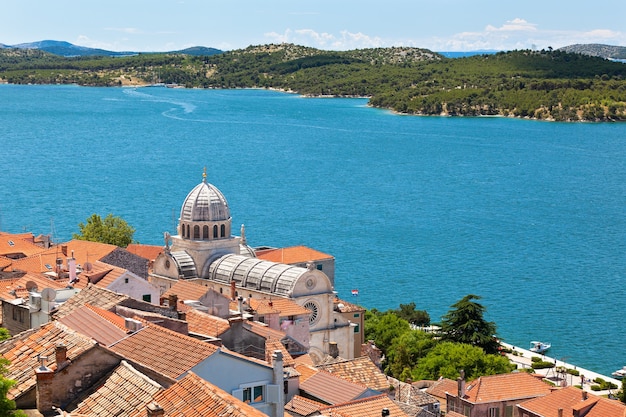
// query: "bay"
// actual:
[[528, 215]]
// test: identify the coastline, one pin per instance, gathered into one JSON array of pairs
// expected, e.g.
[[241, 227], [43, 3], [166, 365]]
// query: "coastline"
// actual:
[[523, 359]]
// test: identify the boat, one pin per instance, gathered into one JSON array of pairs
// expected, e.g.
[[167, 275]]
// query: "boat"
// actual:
[[620, 373], [539, 347]]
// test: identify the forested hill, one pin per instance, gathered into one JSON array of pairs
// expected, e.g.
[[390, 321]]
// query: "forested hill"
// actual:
[[552, 84]]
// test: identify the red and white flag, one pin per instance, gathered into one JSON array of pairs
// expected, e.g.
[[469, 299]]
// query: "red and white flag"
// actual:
[[355, 292]]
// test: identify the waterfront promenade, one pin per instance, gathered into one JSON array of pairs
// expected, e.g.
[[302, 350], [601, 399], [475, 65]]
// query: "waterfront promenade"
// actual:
[[522, 358]]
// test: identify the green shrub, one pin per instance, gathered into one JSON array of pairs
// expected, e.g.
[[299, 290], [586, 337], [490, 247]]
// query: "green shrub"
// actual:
[[542, 364], [573, 372]]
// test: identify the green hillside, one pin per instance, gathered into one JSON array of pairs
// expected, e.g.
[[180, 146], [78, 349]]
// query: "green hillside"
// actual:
[[548, 84]]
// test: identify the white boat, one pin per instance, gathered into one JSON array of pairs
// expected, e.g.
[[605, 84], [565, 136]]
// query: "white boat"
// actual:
[[539, 347], [620, 373]]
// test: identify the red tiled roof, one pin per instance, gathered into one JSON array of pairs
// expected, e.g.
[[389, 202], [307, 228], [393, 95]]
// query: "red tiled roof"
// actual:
[[359, 370], [83, 251], [22, 244], [292, 255], [440, 387], [303, 406], [205, 324], [331, 389], [93, 295], [283, 306], [149, 252], [306, 371], [22, 352], [519, 385], [163, 350], [272, 345], [186, 290], [192, 396], [122, 392], [366, 407], [88, 322], [20, 288], [572, 398]]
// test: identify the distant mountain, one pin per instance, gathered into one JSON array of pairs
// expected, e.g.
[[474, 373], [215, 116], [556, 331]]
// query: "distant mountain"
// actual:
[[596, 49], [67, 49]]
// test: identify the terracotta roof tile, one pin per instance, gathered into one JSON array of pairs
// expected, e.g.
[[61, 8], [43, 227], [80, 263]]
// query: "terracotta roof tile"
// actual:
[[570, 399], [88, 322], [306, 371], [440, 387], [18, 244], [292, 255], [519, 385], [346, 307], [205, 324], [149, 252], [83, 251], [366, 407], [304, 360], [194, 397], [360, 370], [20, 288], [331, 389], [93, 295], [23, 349], [163, 350], [121, 392], [272, 345], [303, 406], [186, 290], [283, 306]]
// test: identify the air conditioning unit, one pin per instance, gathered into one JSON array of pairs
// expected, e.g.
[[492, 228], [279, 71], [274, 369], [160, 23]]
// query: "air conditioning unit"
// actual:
[[132, 325], [34, 300]]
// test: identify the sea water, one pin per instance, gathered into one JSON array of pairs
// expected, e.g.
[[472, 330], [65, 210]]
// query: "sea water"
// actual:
[[528, 215]]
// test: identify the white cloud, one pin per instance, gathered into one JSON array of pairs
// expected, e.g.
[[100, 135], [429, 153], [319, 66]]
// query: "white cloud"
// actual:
[[345, 40]]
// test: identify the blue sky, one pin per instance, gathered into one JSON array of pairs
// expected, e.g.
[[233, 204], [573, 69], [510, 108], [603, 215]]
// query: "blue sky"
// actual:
[[439, 25]]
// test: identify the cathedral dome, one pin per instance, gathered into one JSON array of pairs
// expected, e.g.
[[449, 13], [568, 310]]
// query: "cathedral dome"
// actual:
[[205, 203]]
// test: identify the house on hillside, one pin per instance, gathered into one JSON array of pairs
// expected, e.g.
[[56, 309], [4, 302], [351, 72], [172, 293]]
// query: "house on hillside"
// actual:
[[571, 401], [494, 395]]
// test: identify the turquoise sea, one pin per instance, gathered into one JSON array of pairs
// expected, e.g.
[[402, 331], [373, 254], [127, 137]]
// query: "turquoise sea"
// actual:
[[528, 215]]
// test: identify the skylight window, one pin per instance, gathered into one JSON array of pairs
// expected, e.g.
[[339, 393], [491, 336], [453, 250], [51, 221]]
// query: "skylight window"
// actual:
[[11, 243], [48, 266]]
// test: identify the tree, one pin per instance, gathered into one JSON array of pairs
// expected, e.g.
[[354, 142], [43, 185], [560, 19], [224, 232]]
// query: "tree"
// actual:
[[447, 359], [413, 316], [113, 230], [465, 324], [406, 351], [7, 407], [384, 328], [4, 334]]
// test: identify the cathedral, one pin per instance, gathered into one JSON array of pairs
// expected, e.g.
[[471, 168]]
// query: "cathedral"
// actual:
[[205, 250]]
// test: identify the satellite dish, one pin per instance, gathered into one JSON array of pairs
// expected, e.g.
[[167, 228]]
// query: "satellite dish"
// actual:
[[48, 294], [87, 266], [31, 286]]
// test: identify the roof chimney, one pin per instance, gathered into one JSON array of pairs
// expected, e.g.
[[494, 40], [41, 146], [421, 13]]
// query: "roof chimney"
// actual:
[[154, 410], [172, 301], [584, 395], [44, 377], [60, 355], [279, 380], [461, 384], [333, 349], [560, 412], [384, 412]]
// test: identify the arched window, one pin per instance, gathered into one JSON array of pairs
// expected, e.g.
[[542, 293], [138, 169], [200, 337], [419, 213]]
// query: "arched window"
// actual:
[[196, 232], [205, 232], [223, 230], [188, 234], [215, 231], [182, 230]]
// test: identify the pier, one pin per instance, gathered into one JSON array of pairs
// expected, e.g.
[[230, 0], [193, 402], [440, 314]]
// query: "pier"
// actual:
[[523, 359]]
